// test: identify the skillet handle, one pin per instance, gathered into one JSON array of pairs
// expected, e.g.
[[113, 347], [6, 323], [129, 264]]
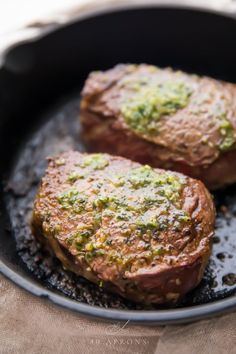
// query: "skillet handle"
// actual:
[[226, 6], [84, 8]]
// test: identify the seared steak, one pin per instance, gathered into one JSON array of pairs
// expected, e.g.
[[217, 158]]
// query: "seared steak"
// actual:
[[144, 233], [168, 119]]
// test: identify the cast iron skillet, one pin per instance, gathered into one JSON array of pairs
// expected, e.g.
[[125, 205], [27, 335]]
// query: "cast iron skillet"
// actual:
[[40, 82]]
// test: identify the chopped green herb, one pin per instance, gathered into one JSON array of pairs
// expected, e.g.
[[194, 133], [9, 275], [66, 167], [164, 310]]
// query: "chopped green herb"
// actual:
[[123, 216], [101, 202], [89, 247], [71, 200], [227, 133], [74, 176], [145, 222], [95, 161], [228, 138], [158, 251], [141, 176], [182, 216], [143, 110]]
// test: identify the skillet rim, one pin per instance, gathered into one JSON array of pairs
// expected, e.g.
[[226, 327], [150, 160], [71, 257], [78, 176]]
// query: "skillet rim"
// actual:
[[102, 9], [159, 317], [168, 316]]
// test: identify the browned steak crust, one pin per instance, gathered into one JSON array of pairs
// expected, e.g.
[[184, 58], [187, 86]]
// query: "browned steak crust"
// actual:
[[144, 233], [168, 119]]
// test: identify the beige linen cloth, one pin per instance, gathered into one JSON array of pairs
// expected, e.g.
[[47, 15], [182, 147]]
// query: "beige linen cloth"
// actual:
[[30, 325]]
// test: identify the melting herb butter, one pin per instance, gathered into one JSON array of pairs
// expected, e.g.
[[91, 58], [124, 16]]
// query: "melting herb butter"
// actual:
[[95, 161], [143, 110], [71, 200], [140, 204], [227, 133]]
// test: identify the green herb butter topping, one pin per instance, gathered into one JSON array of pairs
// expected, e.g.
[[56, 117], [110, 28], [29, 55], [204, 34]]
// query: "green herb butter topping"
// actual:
[[144, 109], [150, 97], [226, 132], [95, 161], [138, 205]]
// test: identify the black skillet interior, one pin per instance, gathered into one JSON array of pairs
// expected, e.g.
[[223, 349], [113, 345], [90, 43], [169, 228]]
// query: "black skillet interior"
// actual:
[[39, 91]]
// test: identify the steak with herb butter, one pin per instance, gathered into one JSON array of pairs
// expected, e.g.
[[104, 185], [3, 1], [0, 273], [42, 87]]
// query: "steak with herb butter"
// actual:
[[144, 233], [168, 119]]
